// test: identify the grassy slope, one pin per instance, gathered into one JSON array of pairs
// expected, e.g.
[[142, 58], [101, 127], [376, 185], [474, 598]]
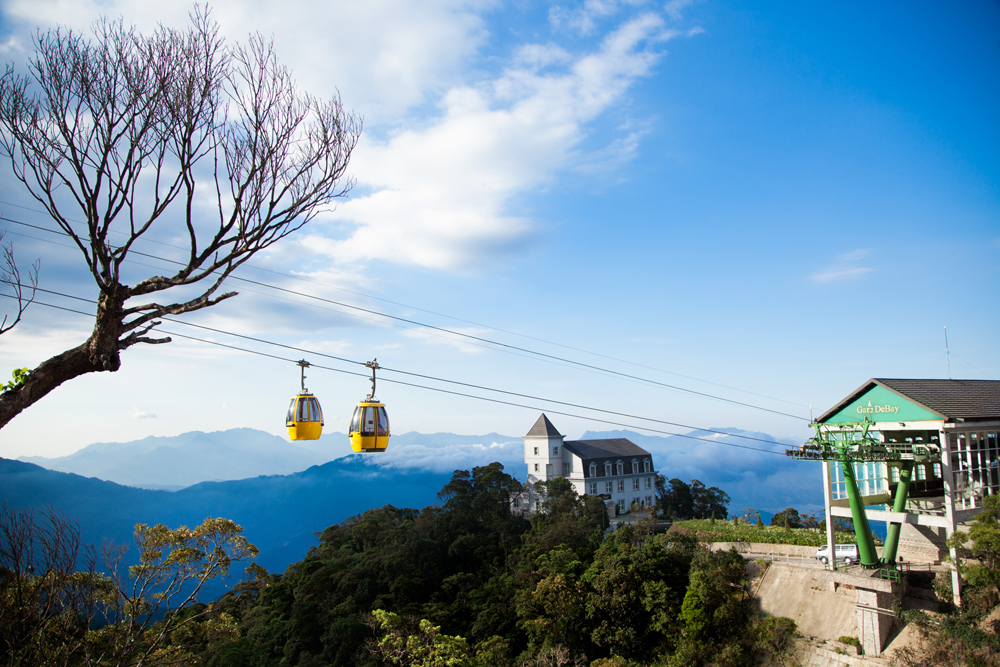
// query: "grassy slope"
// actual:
[[725, 531]]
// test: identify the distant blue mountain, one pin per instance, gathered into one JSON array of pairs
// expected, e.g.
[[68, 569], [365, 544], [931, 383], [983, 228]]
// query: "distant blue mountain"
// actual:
[[763, 480], [172, 463], [178, 461], [281, 514]]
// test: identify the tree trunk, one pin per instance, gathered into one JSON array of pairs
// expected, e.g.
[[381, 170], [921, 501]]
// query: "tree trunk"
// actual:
[[100, 352]]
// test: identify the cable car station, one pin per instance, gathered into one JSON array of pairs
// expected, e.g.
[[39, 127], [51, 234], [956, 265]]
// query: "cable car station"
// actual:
[[919, 455]]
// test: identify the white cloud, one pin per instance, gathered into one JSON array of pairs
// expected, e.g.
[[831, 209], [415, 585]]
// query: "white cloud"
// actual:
[[384, 56], [142, 414], [11, 47], [844, 267], [458, 342], [614, 155], [452, 457], [440, 194], [435, 189], [585, 18], [674, 8], [39, 337]]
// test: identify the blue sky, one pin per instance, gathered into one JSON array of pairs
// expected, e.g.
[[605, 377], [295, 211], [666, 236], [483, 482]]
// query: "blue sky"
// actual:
[[769, 202]]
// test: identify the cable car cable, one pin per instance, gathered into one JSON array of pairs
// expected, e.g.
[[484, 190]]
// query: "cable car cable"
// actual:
[[468, 336], [452, 317], [458, 333], [437, 389], [494, 400], [270, 295]]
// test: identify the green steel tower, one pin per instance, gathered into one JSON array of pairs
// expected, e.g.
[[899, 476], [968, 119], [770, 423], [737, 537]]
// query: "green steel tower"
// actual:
[[850, 443]]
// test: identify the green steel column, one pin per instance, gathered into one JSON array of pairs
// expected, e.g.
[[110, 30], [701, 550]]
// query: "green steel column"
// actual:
[[866, 545], [898, 505]]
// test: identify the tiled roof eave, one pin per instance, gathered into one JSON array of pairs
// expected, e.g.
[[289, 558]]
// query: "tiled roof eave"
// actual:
[[953, 401]]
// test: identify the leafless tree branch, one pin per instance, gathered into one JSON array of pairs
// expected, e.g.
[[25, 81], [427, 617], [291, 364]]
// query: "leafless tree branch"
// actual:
[[133, 131], [10, 275]]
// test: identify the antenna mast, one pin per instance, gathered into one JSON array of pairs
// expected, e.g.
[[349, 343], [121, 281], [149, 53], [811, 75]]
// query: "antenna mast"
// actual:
[[946, 352]]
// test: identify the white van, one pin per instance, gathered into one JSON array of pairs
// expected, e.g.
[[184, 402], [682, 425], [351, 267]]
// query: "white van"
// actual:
[[845, 552]]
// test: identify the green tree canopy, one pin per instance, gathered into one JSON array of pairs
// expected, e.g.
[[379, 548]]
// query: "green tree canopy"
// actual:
[[787, 518]]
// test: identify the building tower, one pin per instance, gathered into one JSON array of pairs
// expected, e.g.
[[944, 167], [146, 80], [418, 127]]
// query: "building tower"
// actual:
[[543, 453]]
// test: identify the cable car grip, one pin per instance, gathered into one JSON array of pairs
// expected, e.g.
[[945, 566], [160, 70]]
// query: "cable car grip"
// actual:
[[373, 364], [303, 364]]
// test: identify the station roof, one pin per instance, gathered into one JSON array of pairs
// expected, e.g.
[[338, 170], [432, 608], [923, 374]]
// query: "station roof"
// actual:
[[900, 399]]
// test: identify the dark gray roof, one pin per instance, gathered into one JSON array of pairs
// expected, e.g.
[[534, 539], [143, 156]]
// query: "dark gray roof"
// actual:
[[544, 428], [604, 449], [968, 400]]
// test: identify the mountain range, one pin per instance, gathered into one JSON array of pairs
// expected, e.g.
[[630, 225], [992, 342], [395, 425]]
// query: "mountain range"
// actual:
[[749, 466], [280, 514], [172, 463], [282, 510]]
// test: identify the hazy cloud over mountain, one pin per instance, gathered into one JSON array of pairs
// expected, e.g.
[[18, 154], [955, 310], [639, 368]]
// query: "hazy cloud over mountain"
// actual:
[[761, 479]]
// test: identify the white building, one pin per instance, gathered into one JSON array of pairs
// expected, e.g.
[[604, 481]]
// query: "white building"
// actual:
[[616, 470]]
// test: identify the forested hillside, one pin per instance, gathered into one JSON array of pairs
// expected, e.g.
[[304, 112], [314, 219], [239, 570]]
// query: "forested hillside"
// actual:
[[465, 581], [470, 581]]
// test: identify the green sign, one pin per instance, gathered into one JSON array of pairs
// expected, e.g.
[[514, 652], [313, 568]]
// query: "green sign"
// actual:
[[878, 404]]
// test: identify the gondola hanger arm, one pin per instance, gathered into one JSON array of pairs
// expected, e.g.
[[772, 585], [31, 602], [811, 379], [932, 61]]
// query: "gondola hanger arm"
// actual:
[[303, 364], [373, 364]]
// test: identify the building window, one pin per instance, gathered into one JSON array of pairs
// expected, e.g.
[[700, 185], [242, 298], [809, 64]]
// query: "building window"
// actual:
[[536, 467], [635, 484], [568, 466], [621, 468], [536, 451], [607, 468], [621, 486], [555, 451], [593, 470], [609, 486], [621, 505], [593, 488], [635, 467], [515, 502], [548, 470], [646, 465], [649, 500], [649, 482]]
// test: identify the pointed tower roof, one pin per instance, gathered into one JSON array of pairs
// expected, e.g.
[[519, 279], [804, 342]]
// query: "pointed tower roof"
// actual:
[[543, 428]]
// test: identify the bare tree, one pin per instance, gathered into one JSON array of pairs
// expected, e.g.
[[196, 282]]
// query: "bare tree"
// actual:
[[42, 596], [174, 131], [53, 613], [10, 275]]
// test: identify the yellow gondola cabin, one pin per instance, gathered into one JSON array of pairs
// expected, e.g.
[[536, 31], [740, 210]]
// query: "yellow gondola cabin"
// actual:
[[305, 416], [369, 430]]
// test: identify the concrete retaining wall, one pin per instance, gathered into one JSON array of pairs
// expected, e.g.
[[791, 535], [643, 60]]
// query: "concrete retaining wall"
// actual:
[[806, 595], [772, 549], [808, 655], [769, 549], [922, 544], [790, 550]]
